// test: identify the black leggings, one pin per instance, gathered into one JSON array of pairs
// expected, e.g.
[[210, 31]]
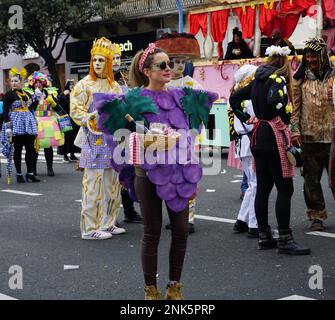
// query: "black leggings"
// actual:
[[151, 210], [26, 141], [269, 173], [49, 156]]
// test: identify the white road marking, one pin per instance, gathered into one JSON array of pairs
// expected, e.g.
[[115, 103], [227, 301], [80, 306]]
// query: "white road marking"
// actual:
[[5, 297], [235, 181], [79, 200], [209, 218], [70, 267], [238, 175], [322, 234], [296, 297], [22, 193], [210, 190]]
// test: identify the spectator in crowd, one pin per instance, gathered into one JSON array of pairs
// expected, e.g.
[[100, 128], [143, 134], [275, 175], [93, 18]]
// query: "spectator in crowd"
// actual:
[[278, 40], [328, 34], [1, 109], [238, 49], [70, 136]]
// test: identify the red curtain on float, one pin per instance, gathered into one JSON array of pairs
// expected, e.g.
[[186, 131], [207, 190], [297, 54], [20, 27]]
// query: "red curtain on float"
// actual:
[[329, 8], [247, 20], [219, 23], [286, 19], [196, 22]]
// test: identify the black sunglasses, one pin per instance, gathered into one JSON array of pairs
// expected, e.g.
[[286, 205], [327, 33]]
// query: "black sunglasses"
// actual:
[[163, 65]]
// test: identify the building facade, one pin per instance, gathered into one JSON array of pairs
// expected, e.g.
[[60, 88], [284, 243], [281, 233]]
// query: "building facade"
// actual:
[[137, 23]]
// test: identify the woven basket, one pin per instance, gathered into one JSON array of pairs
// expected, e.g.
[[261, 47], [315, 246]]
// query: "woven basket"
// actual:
[[159, 141]]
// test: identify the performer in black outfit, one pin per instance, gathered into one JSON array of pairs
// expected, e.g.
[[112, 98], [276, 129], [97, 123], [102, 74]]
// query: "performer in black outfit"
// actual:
[[70, 136], [269, 92]]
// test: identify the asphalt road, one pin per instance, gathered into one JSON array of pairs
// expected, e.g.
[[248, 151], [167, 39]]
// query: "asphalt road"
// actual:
[[41, 235]]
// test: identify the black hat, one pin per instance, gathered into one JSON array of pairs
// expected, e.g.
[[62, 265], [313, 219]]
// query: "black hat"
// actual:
[[237, 31]]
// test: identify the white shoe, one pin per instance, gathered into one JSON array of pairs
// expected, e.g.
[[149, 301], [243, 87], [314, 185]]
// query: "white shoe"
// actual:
[[97, 235], [115, 230]]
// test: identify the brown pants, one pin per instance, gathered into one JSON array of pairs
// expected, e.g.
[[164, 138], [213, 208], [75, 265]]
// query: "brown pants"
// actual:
[[151, 210], [315, 158]]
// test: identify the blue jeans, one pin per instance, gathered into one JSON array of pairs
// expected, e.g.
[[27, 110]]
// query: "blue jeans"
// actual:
[[244, 183]]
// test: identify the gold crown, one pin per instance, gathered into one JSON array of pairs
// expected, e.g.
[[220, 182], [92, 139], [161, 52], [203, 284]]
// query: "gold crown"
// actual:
[[116, 49], [103, 47]]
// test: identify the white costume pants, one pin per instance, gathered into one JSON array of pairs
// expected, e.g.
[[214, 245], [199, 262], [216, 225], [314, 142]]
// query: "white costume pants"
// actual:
[[247, 210], [101, 200]]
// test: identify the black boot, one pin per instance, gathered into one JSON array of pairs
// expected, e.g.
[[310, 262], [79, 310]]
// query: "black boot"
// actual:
[[130, 214], [240, 226], [31, 177], [50, 172], [287, 245], [20, 179], [266, 240]]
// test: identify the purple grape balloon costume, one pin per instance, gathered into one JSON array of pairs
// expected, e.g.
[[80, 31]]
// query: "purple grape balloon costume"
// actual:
[[176, 171]]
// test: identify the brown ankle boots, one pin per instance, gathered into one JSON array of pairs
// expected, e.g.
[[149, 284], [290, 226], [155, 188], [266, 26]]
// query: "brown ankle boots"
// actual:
[[151, 293], [173, 292]]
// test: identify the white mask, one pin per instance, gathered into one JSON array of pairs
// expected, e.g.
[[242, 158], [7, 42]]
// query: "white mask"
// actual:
[[179, 66], [99, 63], [116, 63]]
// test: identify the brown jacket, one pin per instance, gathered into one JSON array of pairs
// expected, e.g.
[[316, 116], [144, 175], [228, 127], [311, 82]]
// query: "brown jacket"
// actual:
[[312, 108]]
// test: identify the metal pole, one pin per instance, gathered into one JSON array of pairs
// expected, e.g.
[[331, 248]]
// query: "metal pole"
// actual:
[[257, 46], [319, 19], [181, 18]]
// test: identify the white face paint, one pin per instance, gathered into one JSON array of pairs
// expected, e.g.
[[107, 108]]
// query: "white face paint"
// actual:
[[116, 63], [179, 66], [15, 82], [99, 63]]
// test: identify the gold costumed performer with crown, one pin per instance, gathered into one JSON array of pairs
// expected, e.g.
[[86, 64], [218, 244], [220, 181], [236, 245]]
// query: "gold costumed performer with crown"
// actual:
[[101, 189]]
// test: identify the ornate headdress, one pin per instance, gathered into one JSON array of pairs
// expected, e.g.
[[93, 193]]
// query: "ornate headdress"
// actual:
[[150, 50], [105, 48], [319, 47], [116, 50], [179, 44], [244, 75], [41, 77], [15, 72]]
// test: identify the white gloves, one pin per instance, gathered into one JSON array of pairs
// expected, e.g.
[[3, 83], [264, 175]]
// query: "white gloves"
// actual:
[[38, 93], [8, 131]]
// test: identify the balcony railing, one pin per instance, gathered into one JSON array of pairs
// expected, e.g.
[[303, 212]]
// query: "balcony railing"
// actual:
[[144, 8]]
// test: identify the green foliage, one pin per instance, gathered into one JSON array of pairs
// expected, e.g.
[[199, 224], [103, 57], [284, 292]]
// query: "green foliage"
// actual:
[[195, 107], [133, 104]]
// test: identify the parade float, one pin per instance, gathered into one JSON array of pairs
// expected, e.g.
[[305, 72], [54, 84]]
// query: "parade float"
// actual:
[[257, 18]]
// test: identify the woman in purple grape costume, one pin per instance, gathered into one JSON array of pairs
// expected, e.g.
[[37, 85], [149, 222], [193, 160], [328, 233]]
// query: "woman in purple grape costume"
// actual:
[[174, 175]]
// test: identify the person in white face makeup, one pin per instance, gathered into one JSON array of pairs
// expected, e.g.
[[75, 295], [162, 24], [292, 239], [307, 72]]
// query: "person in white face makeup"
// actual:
[[101, 188], [181, 48]]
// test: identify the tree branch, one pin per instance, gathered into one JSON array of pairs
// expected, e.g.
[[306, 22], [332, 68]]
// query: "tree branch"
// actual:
[[62, 48]]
